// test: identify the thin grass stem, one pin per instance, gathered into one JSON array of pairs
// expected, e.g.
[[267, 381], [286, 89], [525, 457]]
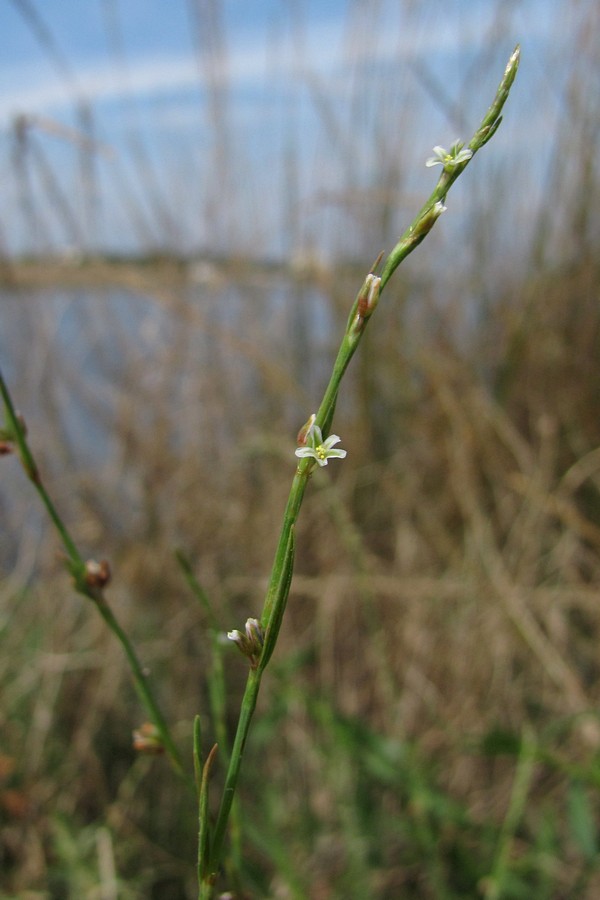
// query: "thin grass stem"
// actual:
[[15, 431]]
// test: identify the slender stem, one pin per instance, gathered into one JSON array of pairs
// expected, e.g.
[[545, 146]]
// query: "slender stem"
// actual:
[[494, 884], [144, 690], [279, 582], [246, 712], [16, 431], [345, 354], [276, 597], [290, 517]]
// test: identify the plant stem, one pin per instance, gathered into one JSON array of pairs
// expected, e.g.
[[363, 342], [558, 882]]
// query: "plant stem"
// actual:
[[144, 690], [15, 430], [281, 573], [246, 712], [272, 615]]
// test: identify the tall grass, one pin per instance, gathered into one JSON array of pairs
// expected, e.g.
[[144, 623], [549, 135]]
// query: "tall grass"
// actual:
[[430, 719], [439, 652]]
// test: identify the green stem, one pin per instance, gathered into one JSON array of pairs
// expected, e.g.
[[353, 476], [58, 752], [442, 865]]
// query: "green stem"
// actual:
[[246, 712], [143, 689], [279, 582], [16, 432], [345, 353], [276, 598], [495, 883], [290, 517]]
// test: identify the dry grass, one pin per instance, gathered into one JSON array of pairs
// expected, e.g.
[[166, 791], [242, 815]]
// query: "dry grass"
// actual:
[[446, 586]]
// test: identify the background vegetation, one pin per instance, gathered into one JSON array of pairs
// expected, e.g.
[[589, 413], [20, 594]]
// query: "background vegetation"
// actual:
[[429, 726]]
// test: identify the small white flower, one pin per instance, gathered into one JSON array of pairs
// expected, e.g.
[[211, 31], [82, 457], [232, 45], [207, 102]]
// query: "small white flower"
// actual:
[[450, 158], [319, 449]]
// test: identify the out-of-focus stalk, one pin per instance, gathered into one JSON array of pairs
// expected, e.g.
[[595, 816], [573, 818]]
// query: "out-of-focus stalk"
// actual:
[[90, 577]]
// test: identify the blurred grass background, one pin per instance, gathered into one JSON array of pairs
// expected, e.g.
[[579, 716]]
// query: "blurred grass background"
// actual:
[[429, 727]]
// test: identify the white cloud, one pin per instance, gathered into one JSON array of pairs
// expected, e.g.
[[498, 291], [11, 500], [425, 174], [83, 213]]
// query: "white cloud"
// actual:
[[29, 90], [99, 84], [328, 53]]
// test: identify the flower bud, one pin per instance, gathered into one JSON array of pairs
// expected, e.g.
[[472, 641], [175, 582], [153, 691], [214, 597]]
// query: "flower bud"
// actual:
[[97, 574], [250, 643], [305, 431], [428, 220], [369, 296], [147, 739], [366, 302]]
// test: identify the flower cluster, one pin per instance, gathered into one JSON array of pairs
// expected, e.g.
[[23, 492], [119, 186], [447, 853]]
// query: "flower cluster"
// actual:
[[315, 447]]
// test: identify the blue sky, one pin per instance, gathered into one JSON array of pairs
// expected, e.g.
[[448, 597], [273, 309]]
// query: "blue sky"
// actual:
[[160, 53], [342, 88]]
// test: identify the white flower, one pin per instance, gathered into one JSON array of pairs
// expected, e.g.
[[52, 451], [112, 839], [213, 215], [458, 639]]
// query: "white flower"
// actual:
[[319, 449], [450, 158]]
